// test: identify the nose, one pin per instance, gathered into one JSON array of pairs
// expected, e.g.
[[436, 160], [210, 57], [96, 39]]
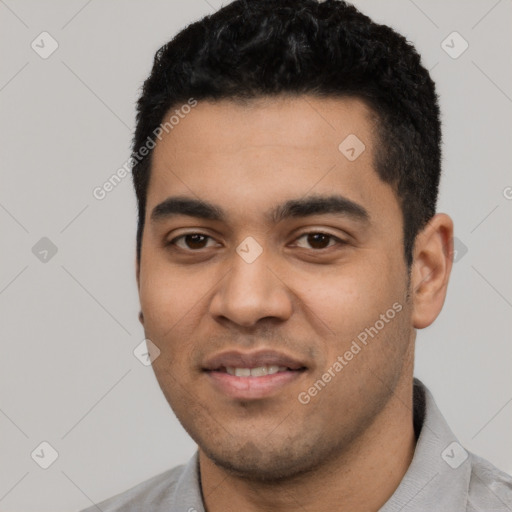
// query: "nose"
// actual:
[[252, 291]]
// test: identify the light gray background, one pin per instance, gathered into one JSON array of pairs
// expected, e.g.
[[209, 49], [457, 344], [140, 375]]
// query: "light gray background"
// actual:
[[69, 326]]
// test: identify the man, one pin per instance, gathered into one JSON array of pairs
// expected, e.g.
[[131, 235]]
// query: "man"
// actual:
[[286, 166]]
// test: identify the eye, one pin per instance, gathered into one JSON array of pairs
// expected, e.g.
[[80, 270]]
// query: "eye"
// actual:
[[318, 240], [192, 241]]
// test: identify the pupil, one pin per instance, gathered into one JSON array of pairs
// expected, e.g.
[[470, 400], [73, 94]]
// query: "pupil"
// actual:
[[318, 238], [195, 241]]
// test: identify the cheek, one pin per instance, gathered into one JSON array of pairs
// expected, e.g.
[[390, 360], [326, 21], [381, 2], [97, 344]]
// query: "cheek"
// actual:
[[351, 297], [172, 302], [166, 294]]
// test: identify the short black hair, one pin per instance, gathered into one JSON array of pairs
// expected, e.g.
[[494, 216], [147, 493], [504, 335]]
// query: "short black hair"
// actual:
[[262, 48]]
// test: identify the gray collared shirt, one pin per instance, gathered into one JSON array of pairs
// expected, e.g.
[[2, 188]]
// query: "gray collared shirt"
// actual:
[[442, 477]]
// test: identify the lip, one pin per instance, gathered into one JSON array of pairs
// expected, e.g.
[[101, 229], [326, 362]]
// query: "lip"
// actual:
[[239, 359], [251, 388]]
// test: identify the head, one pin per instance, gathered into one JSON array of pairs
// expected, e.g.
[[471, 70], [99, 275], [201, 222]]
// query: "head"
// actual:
[[287, 202]]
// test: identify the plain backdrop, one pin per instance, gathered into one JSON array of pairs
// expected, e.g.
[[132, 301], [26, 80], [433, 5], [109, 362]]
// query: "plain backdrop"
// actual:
[[69, 326]]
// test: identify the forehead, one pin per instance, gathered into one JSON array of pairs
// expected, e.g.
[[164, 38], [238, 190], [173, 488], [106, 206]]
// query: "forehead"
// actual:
[[302, 121], [253, 155]]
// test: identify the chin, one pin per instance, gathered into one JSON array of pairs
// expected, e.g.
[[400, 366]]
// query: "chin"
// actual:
[[262, 464]]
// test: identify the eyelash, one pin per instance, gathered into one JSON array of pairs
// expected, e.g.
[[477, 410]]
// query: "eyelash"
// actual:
[[338, 240]]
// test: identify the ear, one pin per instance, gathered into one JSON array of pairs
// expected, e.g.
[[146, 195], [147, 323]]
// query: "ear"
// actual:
[[431, 267]]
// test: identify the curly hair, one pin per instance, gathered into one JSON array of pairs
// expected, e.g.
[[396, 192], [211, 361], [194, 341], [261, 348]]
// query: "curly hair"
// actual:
[[257, 48]]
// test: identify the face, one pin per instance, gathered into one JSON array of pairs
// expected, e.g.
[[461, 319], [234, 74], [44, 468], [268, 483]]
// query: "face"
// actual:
[[273, 281]]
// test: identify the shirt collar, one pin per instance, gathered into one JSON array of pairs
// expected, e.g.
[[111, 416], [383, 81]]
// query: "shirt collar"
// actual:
[[438, 476]]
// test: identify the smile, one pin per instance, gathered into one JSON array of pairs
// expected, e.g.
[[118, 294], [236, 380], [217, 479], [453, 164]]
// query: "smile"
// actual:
[[252, 375], [252, 383], [259, 371]]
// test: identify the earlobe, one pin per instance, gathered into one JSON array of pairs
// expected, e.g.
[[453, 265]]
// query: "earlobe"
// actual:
[[432, 264]]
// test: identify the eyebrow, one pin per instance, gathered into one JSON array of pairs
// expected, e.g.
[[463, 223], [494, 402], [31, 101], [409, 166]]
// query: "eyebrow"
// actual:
[[293, 208]]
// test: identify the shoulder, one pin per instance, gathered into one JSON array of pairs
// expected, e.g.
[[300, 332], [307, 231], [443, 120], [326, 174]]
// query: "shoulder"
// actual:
[[157, 490], [490, 489]]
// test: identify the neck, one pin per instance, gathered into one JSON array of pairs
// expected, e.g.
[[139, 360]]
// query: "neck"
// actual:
[[362, 478]]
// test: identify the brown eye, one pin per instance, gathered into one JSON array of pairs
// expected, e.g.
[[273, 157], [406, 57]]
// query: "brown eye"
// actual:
[[319, 240], [192, 241]]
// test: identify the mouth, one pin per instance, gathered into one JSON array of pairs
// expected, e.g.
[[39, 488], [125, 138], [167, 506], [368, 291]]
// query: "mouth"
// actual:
[[252, 376], [258, 371]]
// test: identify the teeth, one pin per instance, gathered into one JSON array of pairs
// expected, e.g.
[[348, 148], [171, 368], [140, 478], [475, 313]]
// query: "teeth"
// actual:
[[259, 371]]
